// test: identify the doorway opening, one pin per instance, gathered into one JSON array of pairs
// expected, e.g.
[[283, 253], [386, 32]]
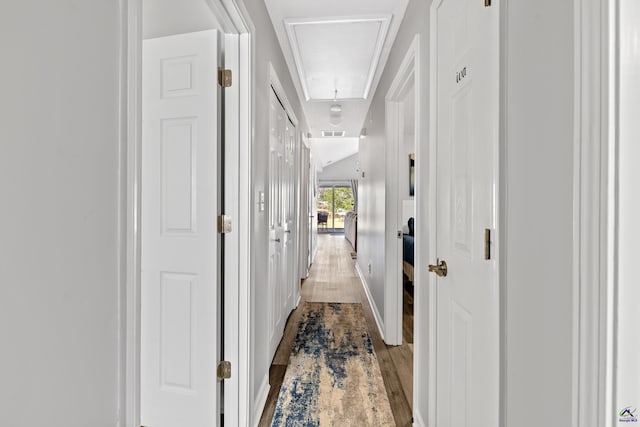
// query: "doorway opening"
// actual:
[[183, 168], [334, 203], [406, 238], [284, 152], [404, 125]]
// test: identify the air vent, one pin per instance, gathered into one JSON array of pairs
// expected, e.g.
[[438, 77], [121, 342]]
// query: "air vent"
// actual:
[[333, 133]]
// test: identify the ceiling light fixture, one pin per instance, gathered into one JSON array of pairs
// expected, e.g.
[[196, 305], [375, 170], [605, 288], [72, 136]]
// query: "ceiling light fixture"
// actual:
[[335, 112]]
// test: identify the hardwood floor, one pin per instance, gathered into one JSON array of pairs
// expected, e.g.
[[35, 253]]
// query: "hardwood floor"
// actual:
[[334, 278]]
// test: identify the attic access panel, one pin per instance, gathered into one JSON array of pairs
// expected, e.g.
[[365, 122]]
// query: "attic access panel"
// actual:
[[337, 54]]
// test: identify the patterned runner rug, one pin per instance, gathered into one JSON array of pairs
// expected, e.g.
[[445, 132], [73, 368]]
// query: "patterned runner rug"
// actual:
[[333, 377]]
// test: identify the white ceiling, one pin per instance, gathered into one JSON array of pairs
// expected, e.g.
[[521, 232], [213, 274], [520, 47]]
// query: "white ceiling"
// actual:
[[327, 151], [336, 44]]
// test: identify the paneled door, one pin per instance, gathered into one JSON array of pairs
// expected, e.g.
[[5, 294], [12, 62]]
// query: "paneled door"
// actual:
[[465, 105], [290, 229], [277, 222], [180, 265], [306, 214]]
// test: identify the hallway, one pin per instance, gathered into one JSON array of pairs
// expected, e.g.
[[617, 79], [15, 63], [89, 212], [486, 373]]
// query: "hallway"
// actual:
[[333, 278]]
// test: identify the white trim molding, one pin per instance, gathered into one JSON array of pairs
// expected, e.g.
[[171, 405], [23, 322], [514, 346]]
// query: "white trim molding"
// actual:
[[281, 93], [406, 79], [131, 201], [372, 303], [432, 312], [418, 421], [503, 220], [261, 401], [593, 385]]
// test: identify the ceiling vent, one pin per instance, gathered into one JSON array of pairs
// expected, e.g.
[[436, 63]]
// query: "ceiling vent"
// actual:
[[333, 133]]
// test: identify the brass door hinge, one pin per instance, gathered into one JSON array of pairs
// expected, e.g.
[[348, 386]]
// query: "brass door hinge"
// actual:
[[487, 243], [225, 77], [487, 3], [224, 224], [224, 370]]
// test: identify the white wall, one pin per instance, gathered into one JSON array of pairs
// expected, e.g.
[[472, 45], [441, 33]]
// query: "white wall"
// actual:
[[59, 143], [331, 150], [538, 84], [373, 152], [266, 49], [408, 147], [169, 17], [628, 374], [342, 170], [371, 192]]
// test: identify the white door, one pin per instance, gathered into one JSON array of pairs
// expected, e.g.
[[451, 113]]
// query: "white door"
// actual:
[[290, 232], [180, 190], [306, 215], [277, 289], [466, 70], [313, 202]]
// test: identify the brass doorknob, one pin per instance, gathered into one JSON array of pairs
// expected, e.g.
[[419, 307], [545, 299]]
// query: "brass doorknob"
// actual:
[[440, 269]]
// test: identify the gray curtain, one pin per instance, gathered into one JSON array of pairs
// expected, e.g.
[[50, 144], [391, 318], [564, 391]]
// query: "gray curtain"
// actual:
[[354, 187]]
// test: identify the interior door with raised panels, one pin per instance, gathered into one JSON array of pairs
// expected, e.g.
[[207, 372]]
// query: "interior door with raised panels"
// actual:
[[180, 265], [290, 231], [277, 195]]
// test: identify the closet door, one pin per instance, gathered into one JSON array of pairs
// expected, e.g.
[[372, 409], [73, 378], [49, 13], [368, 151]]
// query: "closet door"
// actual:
[[180, 255], [277, 179], [289, 206]]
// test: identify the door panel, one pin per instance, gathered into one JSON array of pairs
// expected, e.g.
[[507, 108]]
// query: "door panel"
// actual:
[[180, 277], [289, 213], [277, 264], [466, 136], [306, 215], [282, 229], [313, 201]]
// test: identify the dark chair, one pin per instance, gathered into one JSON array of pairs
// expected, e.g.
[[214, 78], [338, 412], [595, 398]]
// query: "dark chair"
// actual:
[[323, 217]]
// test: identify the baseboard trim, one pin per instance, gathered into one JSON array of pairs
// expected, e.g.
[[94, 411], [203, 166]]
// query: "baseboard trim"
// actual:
[[418, 421], [261, 401], [374, 307]]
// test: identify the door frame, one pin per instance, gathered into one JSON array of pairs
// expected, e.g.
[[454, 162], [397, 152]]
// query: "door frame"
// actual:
[[409, 73], [595, 212], [305, 212], [238, 30], [333, 184], [594, 200], [278, 88], [281, 94]]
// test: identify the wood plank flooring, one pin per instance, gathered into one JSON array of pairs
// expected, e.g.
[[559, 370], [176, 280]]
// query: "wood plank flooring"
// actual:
[[334, 278]]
